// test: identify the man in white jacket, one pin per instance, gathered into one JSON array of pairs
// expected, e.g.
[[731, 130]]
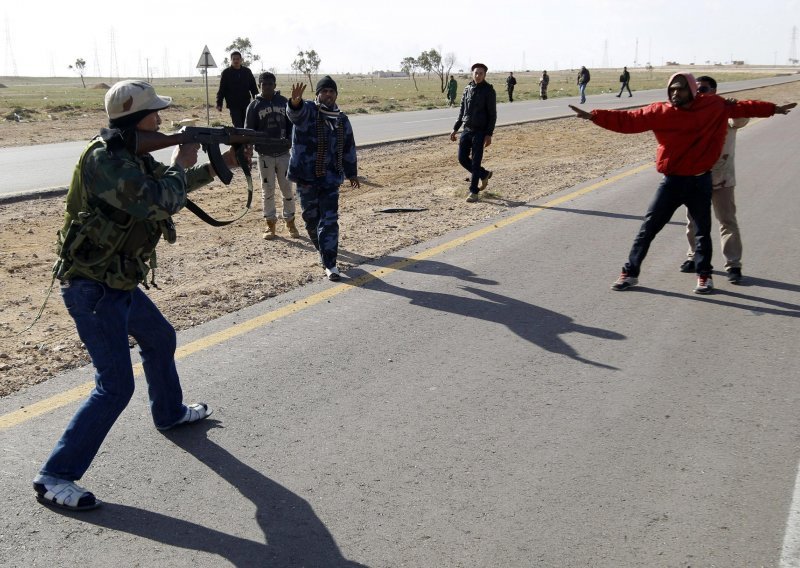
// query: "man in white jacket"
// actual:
[[723, 182]]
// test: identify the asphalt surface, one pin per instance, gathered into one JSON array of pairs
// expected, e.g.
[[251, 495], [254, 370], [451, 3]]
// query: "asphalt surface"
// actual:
[[34, 171], [480, 400]]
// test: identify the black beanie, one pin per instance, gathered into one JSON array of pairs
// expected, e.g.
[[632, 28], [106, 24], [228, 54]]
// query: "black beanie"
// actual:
[[326, 83]]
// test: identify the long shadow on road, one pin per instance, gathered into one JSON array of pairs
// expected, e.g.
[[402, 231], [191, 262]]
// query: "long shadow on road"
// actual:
[[722, 297], [535, 324], [294, 535]]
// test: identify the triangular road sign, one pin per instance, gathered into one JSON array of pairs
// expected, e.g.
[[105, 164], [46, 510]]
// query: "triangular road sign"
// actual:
[[205, 59]]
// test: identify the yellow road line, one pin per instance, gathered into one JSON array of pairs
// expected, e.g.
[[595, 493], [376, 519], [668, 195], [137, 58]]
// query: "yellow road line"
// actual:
[[80, 392]]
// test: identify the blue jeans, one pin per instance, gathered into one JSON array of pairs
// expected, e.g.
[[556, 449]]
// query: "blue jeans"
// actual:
[[320, 204], [582, 91], [470, 155], [695, 193], [104, 318]]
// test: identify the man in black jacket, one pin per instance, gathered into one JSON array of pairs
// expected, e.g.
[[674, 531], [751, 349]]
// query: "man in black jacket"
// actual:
[[511, 82], [237, 87], [625, 79], [478, 114]]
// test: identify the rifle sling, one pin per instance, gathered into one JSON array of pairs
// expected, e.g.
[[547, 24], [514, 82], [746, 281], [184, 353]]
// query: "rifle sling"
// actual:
[[197, 210]]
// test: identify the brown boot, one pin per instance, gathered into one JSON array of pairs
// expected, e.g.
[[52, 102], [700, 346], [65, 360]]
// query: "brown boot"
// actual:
[[292, 228], [269, 234]]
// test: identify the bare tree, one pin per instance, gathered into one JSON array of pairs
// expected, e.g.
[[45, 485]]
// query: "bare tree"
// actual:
[[432, 61], [447, 65], [243, 46], [410, 65], [79, 68], [307, 63]]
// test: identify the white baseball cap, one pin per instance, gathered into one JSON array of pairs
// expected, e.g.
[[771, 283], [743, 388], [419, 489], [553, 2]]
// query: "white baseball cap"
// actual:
[[132, 96]]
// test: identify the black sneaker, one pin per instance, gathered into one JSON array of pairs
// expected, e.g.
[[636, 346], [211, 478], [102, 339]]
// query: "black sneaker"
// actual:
[[688, 266], [735, 275], [472, 197]]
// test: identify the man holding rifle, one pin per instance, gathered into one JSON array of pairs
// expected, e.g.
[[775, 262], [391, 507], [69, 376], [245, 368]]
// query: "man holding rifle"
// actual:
[[118, 207]]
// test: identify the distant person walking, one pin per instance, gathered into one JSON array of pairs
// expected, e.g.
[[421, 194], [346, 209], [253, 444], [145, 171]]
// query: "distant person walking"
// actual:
[[323, 155], [478, 114], [267, 113], [583, 79], [544, 81], [237, 87], [511, 82], [625, 79], [452, 91], [723, 183], [690, 130]]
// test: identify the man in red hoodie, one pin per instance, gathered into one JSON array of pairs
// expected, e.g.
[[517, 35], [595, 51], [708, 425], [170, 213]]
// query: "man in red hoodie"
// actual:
[[690, 130]]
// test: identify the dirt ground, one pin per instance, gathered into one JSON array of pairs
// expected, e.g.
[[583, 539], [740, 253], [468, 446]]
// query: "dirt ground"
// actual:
[[213, 271]]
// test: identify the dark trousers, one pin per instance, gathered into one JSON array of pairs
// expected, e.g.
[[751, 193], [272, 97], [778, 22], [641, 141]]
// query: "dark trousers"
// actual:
[[623, 87], [237, 116], [470, 155], [695, 193], [320, 204]]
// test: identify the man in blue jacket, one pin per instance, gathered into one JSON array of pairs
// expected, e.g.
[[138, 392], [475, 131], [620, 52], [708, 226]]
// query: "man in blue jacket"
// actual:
[[323, 155], [478, 114]]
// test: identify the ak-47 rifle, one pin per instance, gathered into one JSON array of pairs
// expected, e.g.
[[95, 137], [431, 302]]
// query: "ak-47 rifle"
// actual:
[[210, 140]]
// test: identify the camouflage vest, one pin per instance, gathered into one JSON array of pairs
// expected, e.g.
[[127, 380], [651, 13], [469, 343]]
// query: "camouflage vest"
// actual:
[[103, 243]]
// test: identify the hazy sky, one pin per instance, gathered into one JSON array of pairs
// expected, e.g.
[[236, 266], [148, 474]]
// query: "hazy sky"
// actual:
[[43, 38]]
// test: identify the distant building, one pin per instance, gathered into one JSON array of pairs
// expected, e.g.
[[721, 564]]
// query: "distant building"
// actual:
[[389, 74]]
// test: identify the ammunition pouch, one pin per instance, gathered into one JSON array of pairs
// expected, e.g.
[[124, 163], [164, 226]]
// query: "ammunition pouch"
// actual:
[[98, 247]]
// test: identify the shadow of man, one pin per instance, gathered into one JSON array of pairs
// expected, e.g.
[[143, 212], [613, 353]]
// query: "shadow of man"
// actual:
[[537, 325], [294, 535]]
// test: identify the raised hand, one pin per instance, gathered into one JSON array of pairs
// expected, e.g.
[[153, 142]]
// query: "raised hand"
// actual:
[[297, 92]]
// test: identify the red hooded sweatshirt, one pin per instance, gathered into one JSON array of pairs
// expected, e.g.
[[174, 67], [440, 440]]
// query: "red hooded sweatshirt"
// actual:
[[690, 138]]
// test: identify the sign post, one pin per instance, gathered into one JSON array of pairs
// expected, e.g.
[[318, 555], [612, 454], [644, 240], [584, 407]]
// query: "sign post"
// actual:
[[206, 61]]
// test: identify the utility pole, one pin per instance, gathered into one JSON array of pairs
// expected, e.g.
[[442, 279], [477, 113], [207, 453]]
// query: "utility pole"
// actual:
[[636, 54], [113, 63], [793, 48], [96, 62], [10, 51]]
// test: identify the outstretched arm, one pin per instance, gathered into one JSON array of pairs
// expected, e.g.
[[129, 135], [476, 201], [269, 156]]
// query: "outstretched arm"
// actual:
[[581, 113], [784, 109]]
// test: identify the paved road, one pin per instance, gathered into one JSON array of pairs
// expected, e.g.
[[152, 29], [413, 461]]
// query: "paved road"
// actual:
[[481, 400], [32, 169]]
